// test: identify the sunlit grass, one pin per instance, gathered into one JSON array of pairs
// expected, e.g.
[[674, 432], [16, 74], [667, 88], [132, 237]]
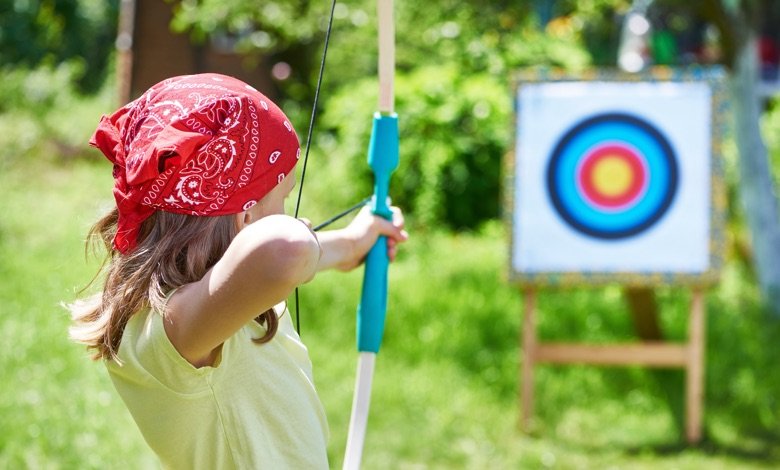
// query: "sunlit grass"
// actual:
[[58, 409]]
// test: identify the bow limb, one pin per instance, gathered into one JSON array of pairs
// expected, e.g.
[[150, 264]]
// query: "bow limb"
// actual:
[[383, 160]]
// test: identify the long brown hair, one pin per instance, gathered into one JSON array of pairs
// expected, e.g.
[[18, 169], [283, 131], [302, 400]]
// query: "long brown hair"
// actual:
[[173, 250]]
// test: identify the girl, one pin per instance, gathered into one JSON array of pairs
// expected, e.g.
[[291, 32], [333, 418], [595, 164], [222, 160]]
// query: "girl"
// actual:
[[192, 321]]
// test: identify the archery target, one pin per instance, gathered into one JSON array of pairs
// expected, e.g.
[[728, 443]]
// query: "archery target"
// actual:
[[612, 177]]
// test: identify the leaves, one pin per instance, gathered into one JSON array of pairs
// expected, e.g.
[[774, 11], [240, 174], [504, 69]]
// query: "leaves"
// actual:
[[47, 32]]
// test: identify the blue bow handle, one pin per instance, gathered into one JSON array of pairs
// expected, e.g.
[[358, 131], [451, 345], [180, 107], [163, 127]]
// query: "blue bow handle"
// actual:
[[383, 160]]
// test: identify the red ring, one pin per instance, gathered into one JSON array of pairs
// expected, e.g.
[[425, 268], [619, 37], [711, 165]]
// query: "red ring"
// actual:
[[590, 162]]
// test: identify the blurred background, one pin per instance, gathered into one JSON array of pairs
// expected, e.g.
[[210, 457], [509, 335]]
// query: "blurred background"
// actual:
[[446, 385]]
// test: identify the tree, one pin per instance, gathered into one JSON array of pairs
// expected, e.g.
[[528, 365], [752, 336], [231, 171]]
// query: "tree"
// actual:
[[739, 24]]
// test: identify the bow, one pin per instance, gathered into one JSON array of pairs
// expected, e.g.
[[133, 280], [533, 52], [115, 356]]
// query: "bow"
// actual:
[[383, 160]]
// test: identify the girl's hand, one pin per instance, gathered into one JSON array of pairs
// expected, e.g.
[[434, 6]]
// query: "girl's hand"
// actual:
[[346, 249]]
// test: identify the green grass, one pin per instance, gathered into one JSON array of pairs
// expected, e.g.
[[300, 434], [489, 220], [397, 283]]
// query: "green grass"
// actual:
[[58, 409], [445, 390]]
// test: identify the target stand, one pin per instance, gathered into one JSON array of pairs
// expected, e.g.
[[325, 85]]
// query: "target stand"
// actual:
[[617, 179], [689, 356]]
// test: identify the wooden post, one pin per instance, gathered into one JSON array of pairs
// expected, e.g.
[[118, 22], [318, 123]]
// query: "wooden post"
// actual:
[[644, 309], [527, 360], [694, 395]]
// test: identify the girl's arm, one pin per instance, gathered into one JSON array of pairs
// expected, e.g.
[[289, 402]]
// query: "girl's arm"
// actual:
[[261, 267], [346, 248]]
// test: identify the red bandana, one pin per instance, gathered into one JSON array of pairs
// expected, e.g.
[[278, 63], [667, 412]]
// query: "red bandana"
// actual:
[[197, 144]]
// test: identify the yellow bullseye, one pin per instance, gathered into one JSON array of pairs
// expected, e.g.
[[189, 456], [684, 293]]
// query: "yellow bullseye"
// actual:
[[612, 176]]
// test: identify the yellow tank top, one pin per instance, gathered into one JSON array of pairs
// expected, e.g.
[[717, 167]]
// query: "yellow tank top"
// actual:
[[255, 408]]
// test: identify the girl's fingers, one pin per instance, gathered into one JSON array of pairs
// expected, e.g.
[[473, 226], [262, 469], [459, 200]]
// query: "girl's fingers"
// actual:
[[393, 229], [393, 232], [392, 249], [367, 227]]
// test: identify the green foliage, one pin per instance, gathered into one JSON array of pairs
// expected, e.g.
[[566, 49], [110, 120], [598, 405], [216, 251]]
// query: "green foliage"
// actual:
[[278, 31], [770, 127], [599, 23], [454, 131], [48, 32], [493, 37], [271, 26], [41, 109]]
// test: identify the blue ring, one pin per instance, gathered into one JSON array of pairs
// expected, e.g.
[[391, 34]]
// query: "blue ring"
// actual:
[[622, 129]]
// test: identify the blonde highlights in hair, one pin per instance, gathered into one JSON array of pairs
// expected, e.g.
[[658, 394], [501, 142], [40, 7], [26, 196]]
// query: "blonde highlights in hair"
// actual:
[[173, 250]]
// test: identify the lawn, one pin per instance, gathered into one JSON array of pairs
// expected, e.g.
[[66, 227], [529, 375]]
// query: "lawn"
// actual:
[[445, 391]]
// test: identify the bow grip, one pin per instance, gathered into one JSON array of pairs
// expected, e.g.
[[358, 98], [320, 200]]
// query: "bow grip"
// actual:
[[383, 160]]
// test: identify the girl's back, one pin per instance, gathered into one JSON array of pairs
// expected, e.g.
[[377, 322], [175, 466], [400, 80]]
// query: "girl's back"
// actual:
[[255, 408]]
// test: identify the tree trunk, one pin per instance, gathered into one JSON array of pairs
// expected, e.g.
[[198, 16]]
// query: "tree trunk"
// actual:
[[756, 186]]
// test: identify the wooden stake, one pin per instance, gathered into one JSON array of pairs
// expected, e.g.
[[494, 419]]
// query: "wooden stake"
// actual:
[[644, 309], [527, 360], [695, 369]]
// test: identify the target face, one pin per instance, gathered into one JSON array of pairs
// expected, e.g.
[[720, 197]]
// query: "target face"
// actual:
[[612, 176], [613, 180]]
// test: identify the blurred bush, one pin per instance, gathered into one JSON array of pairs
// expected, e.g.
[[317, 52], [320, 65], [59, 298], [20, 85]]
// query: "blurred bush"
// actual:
[[454, 130], [55, 59], [770, 127], [46, 32], [43, 109]]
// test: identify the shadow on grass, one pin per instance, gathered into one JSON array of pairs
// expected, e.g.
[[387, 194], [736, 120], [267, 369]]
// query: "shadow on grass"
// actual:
[[765, 449]]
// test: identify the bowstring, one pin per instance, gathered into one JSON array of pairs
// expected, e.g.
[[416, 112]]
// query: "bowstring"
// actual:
[[308, 141], [341, 214]]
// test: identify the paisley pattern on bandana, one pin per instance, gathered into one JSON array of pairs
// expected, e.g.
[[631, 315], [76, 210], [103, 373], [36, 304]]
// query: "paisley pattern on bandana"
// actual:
[[202, 145]]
